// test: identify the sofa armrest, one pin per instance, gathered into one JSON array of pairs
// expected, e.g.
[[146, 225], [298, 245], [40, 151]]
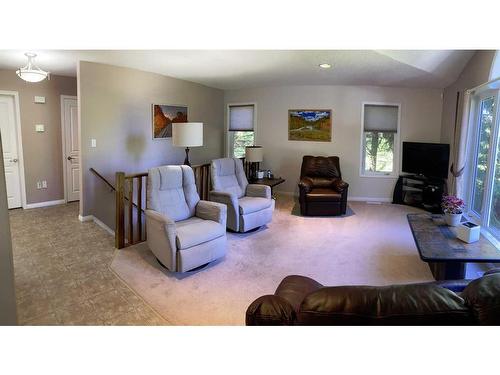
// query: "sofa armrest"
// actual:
[[259, 191], [305, 185], [270, 310], [340, 185], [161, 235], [212, 211]]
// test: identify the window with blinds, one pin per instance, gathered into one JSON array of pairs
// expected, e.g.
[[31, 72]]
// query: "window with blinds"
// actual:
[[380, 139], [241, 120]]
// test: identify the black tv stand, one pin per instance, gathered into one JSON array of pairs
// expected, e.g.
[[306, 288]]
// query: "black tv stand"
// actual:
[[420, 191]]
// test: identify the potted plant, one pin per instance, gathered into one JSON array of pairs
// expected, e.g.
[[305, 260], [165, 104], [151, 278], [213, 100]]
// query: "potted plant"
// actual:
[[453, 209]]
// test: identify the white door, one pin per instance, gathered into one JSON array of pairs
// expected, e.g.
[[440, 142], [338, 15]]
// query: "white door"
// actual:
[[8, 130], [71, 147]]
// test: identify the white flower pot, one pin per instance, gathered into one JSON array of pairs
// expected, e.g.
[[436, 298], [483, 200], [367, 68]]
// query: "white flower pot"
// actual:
[[452, 219]]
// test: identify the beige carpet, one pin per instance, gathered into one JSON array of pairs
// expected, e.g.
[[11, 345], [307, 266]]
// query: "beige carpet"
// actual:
[[373, 246]]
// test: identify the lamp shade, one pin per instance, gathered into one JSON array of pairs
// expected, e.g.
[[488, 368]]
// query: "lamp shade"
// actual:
[[187, 134], [254, 154]]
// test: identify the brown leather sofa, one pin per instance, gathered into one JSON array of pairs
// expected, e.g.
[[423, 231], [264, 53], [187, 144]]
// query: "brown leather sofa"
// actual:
[[322, 191], [300, 300]]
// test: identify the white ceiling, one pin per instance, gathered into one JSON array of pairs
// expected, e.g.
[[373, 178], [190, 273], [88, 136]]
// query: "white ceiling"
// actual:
[[235, 69]]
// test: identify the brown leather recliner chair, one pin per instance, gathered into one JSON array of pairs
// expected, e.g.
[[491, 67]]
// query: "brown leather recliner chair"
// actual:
[[300, 300], [322, 191]]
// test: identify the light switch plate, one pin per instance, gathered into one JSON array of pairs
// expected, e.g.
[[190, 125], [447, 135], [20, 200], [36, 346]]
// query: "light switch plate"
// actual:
[[93, 143], [40, 99], [40, 128], [44, 184]]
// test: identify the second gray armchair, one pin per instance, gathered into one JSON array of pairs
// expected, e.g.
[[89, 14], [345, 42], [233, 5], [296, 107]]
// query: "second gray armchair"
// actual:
[[249, 206]]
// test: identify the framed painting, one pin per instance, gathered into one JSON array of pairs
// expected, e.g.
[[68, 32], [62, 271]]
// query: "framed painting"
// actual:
[[164, 116], [310, 125]]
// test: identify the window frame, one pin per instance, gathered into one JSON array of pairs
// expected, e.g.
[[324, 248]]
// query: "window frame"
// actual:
[[483, 217], [227, 143], [397, 144]]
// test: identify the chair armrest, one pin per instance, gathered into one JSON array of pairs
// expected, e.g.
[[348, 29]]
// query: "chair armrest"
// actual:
[[161, 235], [225, 198], [340, 185], [156, 216], [305, 184], [212, 211], [233, 208], [259, 191]]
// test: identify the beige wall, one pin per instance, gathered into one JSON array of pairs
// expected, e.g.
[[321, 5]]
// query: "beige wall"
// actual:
[[7, 291], [42, 151], [115, 109], [420, 121], [476, 72]]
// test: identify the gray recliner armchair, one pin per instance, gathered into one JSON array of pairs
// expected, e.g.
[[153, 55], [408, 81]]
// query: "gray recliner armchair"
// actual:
[[249, 206], [183, 232]]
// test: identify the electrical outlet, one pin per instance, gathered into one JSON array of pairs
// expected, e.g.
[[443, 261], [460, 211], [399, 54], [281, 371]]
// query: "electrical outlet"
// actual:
[[38, 185], [44, 184]]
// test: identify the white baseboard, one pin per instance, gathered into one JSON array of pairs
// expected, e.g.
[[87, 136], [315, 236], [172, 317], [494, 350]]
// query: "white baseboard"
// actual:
[[44, 204], [104, 226], [349, 198], [85, 218], [97, 221]]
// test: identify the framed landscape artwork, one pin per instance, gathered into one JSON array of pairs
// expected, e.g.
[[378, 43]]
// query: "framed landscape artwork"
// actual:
[[164, 116], [310, 125]]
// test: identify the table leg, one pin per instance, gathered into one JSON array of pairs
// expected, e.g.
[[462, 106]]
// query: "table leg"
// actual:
[[447, 270]]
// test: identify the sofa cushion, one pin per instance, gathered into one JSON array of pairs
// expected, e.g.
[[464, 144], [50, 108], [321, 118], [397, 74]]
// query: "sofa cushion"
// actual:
[[253, 204], [323, 195], [322, 182], [194, 231], [414, 304]]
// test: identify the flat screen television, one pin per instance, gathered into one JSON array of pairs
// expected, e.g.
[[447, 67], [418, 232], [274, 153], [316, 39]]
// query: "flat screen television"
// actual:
[[428, 159]]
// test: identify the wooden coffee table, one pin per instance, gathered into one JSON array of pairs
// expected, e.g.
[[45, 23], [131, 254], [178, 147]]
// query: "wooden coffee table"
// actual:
[[446, 255]]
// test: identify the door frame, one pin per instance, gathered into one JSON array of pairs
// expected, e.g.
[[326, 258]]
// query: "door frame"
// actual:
[[63, 142], [20, 156]]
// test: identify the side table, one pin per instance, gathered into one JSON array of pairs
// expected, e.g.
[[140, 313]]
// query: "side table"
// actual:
[[271, 182]]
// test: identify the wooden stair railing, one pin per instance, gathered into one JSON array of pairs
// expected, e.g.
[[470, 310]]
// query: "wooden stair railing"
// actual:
[[130, 193]]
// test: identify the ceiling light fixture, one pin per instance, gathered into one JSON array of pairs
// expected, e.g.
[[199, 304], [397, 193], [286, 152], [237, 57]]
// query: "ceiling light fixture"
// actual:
[[31, 72], [325, 65]]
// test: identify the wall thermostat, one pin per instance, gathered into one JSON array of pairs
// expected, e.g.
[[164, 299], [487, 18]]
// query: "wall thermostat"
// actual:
[[40, 99]]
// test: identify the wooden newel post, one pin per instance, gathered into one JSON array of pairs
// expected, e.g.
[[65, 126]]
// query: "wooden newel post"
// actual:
[[120, 211]]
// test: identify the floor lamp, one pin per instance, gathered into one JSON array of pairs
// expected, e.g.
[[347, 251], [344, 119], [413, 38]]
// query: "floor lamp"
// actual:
[[187, 134]]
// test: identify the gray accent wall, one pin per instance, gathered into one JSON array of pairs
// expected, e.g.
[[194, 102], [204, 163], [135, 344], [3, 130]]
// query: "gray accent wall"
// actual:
[[420, 121], [42, 151], [7, 290], [115, 109]]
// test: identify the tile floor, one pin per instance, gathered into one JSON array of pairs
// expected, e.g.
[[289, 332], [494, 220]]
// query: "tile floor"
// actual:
[[62, 275]]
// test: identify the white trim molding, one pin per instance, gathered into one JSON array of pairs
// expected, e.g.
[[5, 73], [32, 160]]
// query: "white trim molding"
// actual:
[[396, 166], [87, 218], [44, 204], [63, 142], [349, 198], [20, 155]]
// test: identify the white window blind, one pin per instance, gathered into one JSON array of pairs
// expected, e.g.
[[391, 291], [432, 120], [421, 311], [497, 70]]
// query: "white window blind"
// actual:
[[381, 118], [241, 118]]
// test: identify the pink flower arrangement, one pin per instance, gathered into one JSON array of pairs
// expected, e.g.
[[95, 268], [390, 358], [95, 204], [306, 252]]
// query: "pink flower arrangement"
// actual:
[[452, 205]]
